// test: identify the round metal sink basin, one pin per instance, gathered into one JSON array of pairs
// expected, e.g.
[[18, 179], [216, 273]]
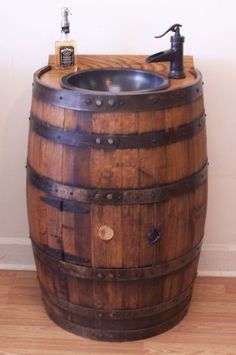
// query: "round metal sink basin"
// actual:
[[115, 81]]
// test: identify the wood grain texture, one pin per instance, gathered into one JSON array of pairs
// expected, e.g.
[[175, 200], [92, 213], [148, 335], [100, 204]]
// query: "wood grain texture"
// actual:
[[117, 61], [208, 329], [180, 220]]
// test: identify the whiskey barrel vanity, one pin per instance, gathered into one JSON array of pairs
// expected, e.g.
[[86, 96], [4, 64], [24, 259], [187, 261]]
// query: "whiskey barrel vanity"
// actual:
[[117, 196]]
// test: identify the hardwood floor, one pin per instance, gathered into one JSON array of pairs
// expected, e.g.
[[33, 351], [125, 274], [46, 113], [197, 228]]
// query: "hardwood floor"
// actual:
[[25, 329]]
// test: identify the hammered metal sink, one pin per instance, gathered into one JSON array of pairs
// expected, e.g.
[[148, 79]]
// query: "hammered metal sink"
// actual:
[[115, 81]]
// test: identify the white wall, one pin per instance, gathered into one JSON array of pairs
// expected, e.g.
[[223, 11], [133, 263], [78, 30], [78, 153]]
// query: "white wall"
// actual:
[[27, 33]]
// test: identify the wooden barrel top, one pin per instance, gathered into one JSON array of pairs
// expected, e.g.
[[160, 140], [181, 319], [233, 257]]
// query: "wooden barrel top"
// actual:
[[52, 77]]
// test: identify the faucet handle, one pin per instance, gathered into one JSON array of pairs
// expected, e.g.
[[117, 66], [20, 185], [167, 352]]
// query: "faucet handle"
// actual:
[[173, 28]]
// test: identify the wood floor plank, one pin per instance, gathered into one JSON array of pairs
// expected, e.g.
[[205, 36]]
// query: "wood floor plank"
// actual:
[[25, 329]]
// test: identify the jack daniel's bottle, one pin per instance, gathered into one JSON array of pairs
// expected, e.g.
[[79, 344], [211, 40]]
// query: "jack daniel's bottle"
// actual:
[[65, 47]]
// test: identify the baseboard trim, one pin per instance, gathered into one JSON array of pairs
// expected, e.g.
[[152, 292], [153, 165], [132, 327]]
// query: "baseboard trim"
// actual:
[[216, 273], [16, 254], [15, 241], [18, 267], [216, 259]]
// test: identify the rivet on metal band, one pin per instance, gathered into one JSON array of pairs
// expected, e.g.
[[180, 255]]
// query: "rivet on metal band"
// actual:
[[116, 335], [124, 274], [76, 100], [159, 193], [76, 138], [114, 313]]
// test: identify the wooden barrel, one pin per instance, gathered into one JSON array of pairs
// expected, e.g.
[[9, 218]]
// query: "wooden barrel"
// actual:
[[117, 198]]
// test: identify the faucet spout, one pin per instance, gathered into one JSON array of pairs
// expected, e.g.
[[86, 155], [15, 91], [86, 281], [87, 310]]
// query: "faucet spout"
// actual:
[[164, 56]]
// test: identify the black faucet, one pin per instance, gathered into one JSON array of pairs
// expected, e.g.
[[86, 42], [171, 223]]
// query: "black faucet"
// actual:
[[174, 54]]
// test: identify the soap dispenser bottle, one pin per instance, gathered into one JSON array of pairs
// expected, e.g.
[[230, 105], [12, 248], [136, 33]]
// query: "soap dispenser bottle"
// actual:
[[65, 47]]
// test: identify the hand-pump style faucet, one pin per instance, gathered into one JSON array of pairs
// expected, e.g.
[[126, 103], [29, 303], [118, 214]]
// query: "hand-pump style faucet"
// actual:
[[174, 54]]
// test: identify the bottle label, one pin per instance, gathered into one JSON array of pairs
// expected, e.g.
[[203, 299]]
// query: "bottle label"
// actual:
[[67, 56], [65, 29]]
